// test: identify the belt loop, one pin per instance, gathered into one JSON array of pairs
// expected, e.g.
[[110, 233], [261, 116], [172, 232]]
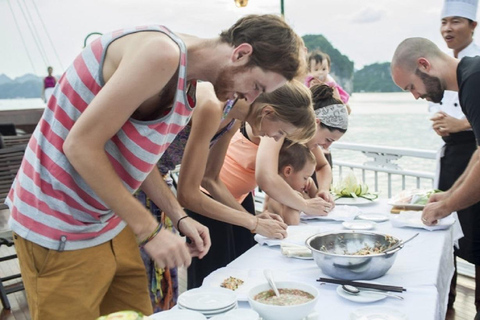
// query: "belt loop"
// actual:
[[63, 241]]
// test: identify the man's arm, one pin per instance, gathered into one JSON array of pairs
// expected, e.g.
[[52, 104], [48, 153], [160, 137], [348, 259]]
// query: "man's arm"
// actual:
[[465, 191], [159, 192], [463, 194]]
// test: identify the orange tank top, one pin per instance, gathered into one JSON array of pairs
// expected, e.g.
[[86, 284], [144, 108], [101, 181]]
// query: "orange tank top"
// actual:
[[238, 171]]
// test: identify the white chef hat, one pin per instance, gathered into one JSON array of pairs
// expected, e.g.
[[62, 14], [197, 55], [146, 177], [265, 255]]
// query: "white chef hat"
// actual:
[[460, 8]]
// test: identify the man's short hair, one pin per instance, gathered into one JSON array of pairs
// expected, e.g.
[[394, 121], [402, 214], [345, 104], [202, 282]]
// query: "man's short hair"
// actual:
[[275, 45], [410, 50]]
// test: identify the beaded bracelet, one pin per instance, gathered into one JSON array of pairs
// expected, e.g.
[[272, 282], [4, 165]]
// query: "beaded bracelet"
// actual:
[[178, 225], [254, 230], [152, 235]]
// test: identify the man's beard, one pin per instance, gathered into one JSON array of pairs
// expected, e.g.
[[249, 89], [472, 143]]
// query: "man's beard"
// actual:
[[433, 87], [225, 85]]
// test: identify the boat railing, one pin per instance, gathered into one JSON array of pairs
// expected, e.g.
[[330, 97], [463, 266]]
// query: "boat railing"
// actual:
[[378, 167]]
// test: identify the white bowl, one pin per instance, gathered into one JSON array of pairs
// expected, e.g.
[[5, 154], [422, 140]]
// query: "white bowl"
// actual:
[[273, 312]]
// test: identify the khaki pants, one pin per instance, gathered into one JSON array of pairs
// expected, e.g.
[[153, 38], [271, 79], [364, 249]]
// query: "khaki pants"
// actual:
[[84, 284]]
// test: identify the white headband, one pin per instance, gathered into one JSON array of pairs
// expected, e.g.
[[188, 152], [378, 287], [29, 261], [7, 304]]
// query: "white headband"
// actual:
[[335, 116]]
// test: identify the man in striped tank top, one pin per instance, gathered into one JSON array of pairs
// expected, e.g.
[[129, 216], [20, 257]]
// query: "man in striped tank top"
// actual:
[[113, 113]]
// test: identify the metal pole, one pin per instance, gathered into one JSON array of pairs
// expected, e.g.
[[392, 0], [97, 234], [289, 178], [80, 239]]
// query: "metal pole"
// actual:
[[282, 8]]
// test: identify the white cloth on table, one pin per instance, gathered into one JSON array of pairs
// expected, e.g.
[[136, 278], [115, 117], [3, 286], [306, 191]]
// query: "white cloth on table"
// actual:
[[339, 213], [413, 219]]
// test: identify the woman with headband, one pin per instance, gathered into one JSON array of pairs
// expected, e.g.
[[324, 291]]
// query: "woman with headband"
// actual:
[[332, 123]]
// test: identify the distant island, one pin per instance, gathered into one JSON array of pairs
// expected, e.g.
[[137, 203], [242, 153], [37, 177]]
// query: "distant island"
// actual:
[[372, 78]]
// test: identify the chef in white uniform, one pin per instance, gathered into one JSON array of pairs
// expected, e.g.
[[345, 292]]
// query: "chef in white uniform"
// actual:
[[457, 28]]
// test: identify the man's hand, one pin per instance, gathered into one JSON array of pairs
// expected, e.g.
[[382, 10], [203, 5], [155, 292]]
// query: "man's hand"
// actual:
[[198, 235], [434, 211], [168, 250]]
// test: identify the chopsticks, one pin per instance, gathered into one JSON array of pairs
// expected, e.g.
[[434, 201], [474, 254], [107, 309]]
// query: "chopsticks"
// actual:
[[364, 285]]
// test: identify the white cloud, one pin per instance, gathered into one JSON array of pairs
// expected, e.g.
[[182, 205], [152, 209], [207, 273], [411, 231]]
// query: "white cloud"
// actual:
[[368, 15]]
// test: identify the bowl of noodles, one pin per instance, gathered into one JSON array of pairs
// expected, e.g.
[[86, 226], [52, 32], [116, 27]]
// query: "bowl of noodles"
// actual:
[[296, 300], [353, 255]]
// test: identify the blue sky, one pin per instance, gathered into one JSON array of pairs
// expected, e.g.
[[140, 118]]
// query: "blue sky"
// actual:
[[366, 31]]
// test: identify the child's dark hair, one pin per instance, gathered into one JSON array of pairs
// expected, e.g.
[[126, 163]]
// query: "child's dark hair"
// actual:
[[318, 56], [322, 96], [295, 155]]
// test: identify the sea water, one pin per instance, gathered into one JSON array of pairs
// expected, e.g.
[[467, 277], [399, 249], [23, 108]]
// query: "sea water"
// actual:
[[381, 119]]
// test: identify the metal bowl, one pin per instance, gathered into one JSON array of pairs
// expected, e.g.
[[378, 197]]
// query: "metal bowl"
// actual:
[[333, 253]]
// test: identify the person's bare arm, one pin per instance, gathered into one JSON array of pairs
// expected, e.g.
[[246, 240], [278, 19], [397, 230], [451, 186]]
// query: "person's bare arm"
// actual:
[[462, 194], [142, 73], [323, 173], [160, 193], [311, 189], [201, 166], [290, 216], [211, 180], [268, 179]]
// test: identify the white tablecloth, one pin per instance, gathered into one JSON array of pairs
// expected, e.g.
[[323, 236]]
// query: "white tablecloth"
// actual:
[[424, 267]]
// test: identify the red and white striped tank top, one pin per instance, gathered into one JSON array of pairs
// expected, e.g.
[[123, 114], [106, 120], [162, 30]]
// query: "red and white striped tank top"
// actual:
[[50, 203]]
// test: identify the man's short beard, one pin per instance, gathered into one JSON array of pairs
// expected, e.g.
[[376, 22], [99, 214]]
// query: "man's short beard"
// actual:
[[224, 85], [433, 87]]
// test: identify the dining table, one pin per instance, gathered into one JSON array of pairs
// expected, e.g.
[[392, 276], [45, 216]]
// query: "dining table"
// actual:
[[424, 267]]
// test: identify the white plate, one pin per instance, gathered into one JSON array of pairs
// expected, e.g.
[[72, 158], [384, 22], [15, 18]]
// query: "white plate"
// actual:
[[238, 314], [177, 315], [302, 257], [211, 313], [362, 297], [250, 277], [359, 225], [377, 313], [353, 201], [207, 299], [376, 217]]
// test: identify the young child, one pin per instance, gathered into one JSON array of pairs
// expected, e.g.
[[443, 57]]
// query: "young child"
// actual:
[[319, 66], [296, 164]]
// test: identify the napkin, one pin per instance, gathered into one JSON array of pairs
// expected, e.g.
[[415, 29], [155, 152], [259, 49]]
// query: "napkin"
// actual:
[[413, 219], [296, 235], [339, 213]]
